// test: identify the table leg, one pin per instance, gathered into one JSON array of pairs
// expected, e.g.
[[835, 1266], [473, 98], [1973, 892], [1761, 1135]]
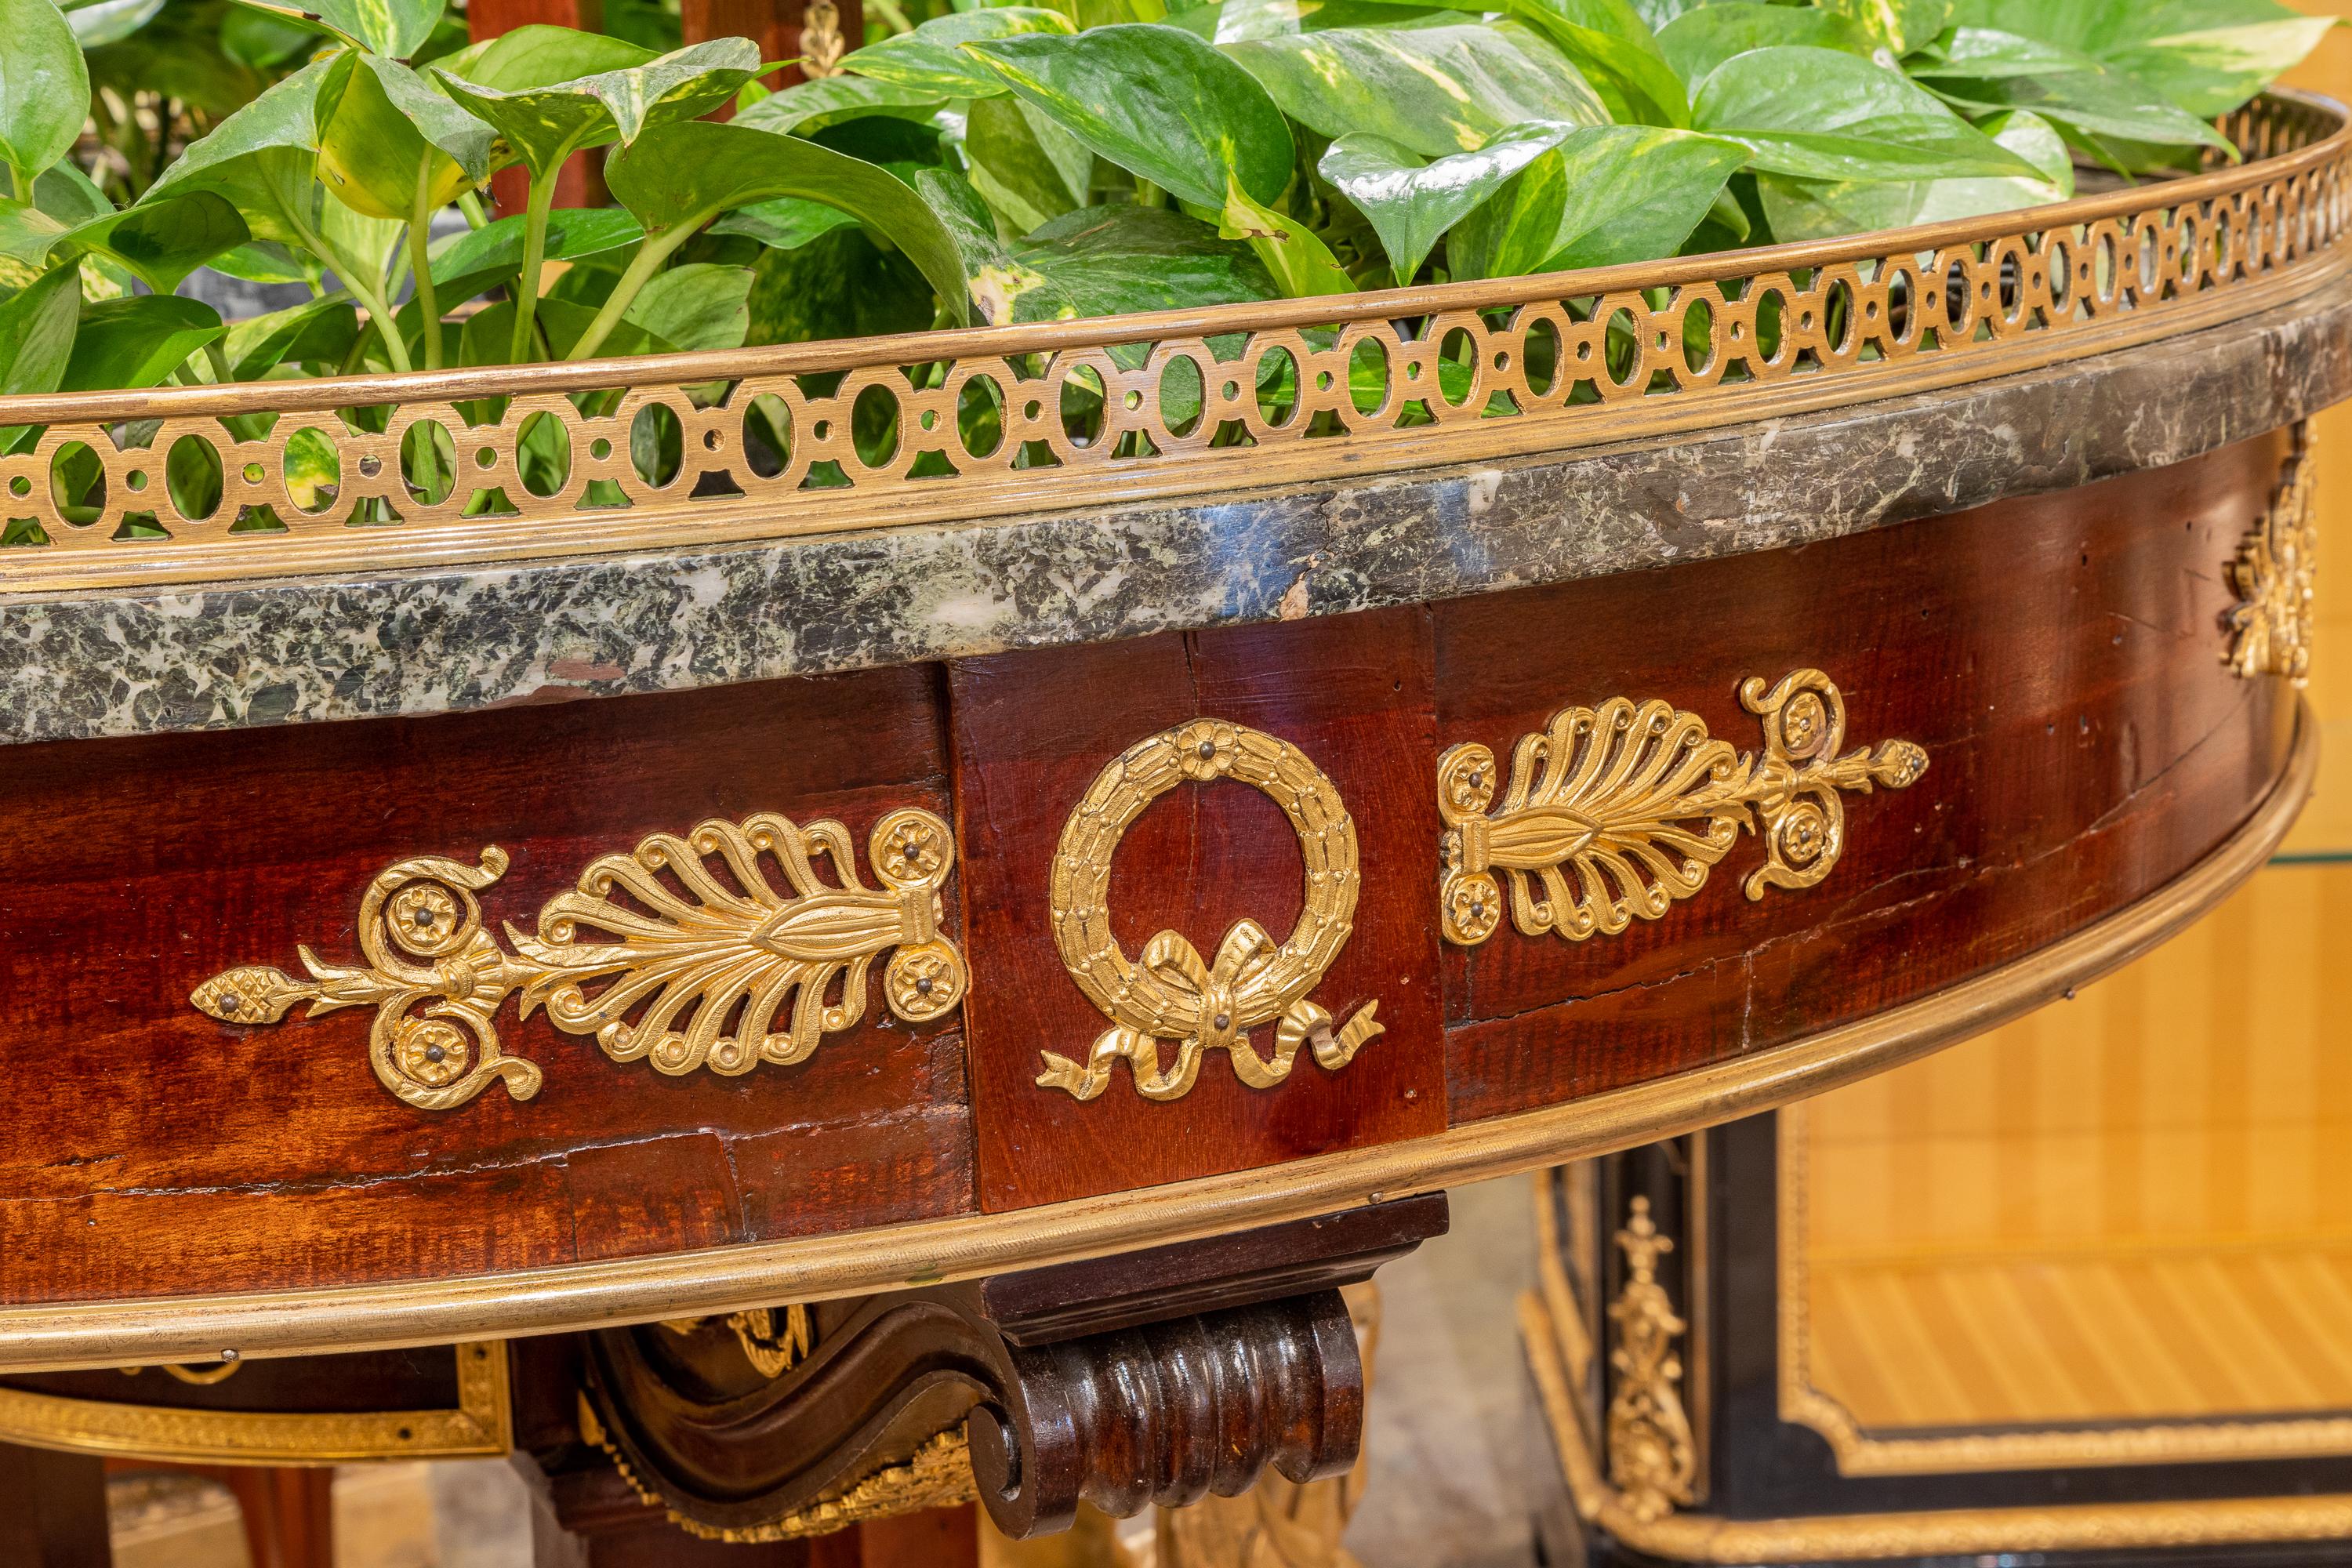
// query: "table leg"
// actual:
[[52, 1509]]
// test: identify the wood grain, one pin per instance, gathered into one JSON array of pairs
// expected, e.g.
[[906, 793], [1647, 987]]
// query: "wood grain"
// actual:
[[150, 1149], [2059, 657], [1031, 732]]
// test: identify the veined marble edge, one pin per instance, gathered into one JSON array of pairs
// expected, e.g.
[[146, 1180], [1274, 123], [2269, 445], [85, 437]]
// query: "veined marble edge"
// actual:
[[242, 655]]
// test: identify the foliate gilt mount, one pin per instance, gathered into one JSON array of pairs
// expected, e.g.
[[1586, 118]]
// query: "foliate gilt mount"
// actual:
[[1653, 1460], [1638, 803], [690, 967], [2270, 626], [1173, 994]]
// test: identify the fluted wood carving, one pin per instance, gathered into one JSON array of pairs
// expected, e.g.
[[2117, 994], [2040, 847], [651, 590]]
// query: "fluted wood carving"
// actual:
[[1171, 1413], [1166, 1413]]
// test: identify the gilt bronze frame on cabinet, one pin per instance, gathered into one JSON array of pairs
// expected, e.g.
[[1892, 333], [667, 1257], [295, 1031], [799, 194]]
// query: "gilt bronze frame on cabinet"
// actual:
[[480, 1423]]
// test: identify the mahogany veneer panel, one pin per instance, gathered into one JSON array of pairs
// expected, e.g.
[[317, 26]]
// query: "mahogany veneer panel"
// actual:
[[1032, 729], [2058, 656], [150, 1149]]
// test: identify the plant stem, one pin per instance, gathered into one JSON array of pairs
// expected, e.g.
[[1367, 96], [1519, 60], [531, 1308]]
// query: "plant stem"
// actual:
[[380, 318], [469, 203], [648, 260], [222, 373], [534, 256], [420, 265]]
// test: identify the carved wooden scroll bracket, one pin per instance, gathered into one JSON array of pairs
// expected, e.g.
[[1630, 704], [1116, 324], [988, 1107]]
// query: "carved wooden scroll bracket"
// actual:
[[678, 949], [1155, 1377], [1637, 803]]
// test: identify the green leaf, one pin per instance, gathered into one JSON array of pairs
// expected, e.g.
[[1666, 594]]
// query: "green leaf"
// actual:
[[929, 59], [1301, 264], [492, 254], [67, 195], [396, 27], [1984, 72], [1613, 47], [263, 41], [700, 306], [1158, 103], [1433, 89], [1003, 289], [96, 24], [262, 160], [1024, 162], [1236, 20], [1822, 209], [160, 243], [1699, 40], [36, 333], [1114, 260], [138, 341], [264, 261], [43, 89], [2032, 138], [1826, 115], [381, 129], [2206, 56], [812, 105], [676, 178], [1897, 26], [545, 120], [784, 223], [311, 331], [839, 285], [1412, 202], [1606, 194]]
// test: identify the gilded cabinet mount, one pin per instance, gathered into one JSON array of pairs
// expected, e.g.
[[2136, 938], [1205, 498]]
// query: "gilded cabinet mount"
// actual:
[[1636, 804], [691, 964], [1174, 995]]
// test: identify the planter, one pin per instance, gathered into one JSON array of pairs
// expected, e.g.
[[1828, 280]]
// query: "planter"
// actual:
[[1671, 721]]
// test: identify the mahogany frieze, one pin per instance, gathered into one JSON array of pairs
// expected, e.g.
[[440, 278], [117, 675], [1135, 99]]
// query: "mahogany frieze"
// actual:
[[1052, 925]]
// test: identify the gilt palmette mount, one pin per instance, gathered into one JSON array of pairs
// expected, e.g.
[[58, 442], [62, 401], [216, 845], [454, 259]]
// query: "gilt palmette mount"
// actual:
[[1614, 813], [658, 953]]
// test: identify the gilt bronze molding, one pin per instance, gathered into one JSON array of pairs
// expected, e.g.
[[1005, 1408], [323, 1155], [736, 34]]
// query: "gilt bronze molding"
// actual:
[[1641, 802], [436, 976], [1173, 994], [2269, 626]]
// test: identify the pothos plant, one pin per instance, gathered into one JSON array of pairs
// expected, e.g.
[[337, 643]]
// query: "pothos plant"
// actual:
[[1022, 162]]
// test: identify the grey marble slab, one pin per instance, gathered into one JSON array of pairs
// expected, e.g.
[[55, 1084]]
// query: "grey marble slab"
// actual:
[[309, 649]]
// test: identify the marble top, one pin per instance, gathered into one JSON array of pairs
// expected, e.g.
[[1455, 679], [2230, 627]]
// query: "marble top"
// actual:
[[307, 649]]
